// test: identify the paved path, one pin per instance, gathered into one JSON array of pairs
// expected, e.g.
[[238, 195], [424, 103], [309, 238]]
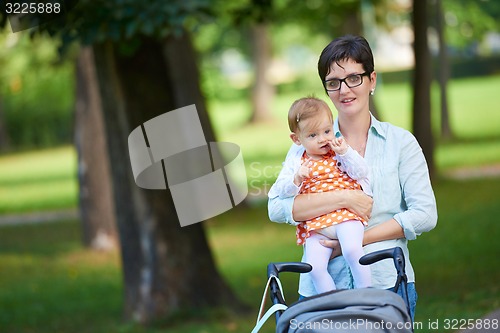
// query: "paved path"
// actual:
[[487, 171], [38, 217]]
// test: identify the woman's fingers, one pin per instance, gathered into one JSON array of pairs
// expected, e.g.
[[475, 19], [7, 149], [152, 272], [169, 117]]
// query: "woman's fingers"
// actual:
[[333, 244], [361, 204]]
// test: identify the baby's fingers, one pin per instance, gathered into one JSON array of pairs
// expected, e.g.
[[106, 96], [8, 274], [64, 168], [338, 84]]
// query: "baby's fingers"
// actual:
[[307, 162]]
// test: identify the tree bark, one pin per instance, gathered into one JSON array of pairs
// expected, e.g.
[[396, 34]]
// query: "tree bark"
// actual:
[[166, 268], [95, 193], [422, 128]]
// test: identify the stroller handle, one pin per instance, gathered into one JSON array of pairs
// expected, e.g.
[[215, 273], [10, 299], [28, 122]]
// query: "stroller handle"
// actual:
[[275, 268], [396, 253]]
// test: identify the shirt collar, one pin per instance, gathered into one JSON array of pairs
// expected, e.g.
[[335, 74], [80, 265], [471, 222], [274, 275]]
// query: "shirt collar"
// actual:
[[375, 126]]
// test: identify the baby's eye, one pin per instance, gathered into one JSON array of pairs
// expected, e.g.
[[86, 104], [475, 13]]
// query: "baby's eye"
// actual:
[[312, 135], [327, 131]]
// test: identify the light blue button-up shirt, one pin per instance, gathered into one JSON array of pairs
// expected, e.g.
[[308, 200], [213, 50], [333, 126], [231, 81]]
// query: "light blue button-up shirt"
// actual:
[[401, 190]]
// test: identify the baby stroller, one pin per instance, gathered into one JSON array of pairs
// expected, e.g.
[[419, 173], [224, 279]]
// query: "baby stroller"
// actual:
[[349, 310]]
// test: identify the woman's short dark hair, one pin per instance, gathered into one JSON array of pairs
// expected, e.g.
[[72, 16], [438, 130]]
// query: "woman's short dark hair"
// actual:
[[343, 48]]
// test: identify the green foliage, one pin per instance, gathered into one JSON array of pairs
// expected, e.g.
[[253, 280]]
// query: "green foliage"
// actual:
[[36, 92], [127, 21], [468, 21]]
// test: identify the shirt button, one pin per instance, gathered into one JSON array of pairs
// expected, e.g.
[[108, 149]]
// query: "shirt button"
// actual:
[[339, 164]]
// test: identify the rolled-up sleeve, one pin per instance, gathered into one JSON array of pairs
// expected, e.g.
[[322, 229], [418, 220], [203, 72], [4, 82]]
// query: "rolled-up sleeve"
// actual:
[[420, 214], [280, 210]]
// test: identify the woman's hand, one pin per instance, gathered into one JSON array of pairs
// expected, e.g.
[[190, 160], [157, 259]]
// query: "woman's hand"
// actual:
[[308, 206], [359, 203], [333, 244]]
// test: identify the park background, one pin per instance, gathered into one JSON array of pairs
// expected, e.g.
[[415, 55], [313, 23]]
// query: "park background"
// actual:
[[67, 262]]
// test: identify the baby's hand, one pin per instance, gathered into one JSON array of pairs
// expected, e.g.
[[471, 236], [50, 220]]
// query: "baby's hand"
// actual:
[[339, 145], [303, 172]]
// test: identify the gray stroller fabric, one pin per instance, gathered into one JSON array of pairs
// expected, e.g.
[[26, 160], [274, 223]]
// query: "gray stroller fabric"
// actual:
[[353, 310]]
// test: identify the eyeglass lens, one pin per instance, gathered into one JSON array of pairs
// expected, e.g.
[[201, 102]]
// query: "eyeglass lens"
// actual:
[[351, 81]]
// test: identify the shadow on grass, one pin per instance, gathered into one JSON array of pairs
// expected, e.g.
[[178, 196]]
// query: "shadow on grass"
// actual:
[[45, 239]]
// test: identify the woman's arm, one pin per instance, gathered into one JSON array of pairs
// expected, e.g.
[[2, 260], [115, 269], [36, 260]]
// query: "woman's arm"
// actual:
[[384, 231], [308, 206]]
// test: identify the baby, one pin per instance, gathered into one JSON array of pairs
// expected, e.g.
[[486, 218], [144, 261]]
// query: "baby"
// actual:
[[326, 164]]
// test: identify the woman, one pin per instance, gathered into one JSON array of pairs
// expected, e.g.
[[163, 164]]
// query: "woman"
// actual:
[[403, 204]]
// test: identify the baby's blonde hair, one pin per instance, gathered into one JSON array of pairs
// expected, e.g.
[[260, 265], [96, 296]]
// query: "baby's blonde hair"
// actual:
[[305, 108]]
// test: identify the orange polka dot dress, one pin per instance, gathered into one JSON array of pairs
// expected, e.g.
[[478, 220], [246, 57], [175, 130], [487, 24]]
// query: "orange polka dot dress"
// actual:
[[325, 177]]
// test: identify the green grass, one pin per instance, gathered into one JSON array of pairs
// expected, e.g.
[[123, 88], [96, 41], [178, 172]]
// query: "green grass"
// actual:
[[38, 180], [51, 284]]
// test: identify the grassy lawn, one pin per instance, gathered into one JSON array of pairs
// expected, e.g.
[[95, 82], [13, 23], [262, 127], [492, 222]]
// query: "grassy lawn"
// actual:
[[38, 180], [49, 283]]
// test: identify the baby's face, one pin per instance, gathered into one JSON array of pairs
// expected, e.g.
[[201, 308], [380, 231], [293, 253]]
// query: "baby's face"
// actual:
[[316, 134]]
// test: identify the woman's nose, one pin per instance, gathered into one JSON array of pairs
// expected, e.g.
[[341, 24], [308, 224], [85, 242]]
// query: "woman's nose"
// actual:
[[343, 88]]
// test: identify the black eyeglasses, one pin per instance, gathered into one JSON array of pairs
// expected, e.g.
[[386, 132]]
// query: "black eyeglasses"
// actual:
[[351, 81]]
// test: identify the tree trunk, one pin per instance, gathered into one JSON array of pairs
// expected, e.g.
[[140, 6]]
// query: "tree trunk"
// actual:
[[444, 69], [263, 90], [166, 268], [4, 136], [95, 193], [422, 128], [353, 24]]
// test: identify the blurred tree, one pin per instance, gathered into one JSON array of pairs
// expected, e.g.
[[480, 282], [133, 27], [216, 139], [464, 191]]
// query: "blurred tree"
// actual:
[[261, 26], [467, 22], [263, 90], [354, 24], [443, 71], [36, 97], [4, 136], [97, 215], [333, 18], [422, 81], [145, 66], [256, 16]]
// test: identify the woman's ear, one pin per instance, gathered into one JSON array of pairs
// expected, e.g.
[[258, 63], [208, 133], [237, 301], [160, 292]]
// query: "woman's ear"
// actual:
[[295, 138], [373, 80]]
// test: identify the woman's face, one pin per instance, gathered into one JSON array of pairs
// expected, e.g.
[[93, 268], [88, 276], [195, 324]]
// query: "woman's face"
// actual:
[[351, 101]]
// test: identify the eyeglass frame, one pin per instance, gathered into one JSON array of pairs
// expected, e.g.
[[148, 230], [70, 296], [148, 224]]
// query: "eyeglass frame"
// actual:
[[345, 82]]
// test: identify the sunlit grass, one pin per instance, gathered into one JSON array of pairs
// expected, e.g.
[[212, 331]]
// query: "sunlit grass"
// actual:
[[38, 180]]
